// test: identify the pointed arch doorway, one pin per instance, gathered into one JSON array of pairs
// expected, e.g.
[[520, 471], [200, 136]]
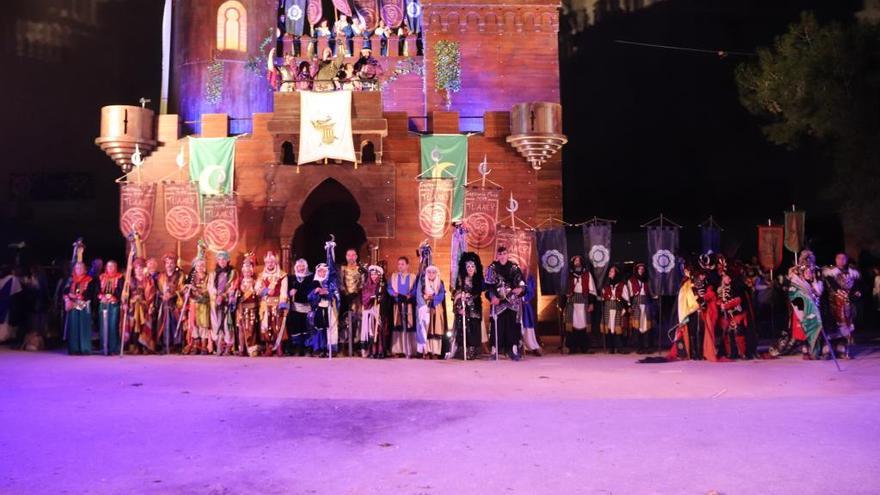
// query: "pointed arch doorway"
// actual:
[[330, 208]]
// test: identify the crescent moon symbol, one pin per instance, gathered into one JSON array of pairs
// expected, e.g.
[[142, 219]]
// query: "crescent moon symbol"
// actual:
[[484, 167], [514, 205]]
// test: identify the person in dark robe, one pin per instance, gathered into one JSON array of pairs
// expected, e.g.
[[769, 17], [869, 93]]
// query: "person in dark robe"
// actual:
[[299, 285], [401, 292], [504, 288], [468, 307]]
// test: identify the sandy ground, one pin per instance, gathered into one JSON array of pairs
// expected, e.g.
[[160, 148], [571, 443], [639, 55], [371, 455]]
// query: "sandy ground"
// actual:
[[557, 424]]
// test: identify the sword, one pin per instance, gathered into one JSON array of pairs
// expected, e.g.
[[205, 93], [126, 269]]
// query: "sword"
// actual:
[[830, 349], [104, 330], [404, 320]]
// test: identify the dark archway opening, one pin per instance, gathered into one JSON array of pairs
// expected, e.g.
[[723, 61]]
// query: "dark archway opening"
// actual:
[[368, 152], [329, 209], [287, 155]]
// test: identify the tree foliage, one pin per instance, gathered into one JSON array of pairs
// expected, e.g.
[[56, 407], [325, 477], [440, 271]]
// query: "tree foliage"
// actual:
[[821, 83]]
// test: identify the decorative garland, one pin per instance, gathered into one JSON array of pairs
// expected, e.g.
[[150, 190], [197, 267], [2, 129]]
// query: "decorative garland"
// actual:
[[406, 66], [447, 68], [214, 84], [258, 63]]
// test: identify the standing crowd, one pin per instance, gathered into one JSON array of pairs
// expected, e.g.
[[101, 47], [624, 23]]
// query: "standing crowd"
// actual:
[[353, 310], [155, 306], [719, 307]]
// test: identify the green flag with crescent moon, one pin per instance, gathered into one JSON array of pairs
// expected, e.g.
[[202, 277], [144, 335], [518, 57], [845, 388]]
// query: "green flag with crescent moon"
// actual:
[[445, 156], [211, 164]]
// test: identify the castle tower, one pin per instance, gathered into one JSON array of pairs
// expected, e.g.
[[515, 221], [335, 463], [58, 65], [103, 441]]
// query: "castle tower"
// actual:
[[218, 60]]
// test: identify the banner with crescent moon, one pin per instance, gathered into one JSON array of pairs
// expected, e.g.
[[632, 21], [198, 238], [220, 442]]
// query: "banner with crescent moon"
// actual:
[[519, 245], [212, 164], [221, 222], [435, 205], [182, 219], [392, 12], [480, 215], [446, 156], [136, 203]]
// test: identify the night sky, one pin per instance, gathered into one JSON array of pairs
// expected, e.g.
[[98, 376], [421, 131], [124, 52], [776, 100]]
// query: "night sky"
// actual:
[[650, 130]]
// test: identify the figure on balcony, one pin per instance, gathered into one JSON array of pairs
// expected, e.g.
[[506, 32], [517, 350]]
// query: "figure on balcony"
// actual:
[[323, 31], [327, 70], [345, 34], [382, 31], [368, 69], [304, 76], [347, 79], [288, 79]]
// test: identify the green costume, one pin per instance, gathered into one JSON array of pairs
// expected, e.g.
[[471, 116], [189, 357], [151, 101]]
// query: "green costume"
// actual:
[[78, 302]]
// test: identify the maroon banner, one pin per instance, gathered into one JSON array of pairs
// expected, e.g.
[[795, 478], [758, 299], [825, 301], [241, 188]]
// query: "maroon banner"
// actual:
[[480, 215], [794, 230], [770, 239], [221, 222], [392, 12], [435, 206], [343, 7], [367, 11], [136, 203], [314, 11], [518, 243], [181, 209]]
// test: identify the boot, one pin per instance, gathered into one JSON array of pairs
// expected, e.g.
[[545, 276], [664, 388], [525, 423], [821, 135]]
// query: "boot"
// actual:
[[514, 354], [741, 346]]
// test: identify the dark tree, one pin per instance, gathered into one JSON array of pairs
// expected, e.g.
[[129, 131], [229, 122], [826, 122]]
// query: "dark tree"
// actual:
[[819, 85]]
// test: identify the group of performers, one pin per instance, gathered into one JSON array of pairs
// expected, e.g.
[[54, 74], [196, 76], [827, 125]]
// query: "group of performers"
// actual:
[[360, 310], [626, 309], [716, 310], [356, 310], [717, 315]]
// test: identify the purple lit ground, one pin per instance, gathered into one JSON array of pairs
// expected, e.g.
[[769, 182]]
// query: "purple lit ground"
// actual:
[[579, 424]]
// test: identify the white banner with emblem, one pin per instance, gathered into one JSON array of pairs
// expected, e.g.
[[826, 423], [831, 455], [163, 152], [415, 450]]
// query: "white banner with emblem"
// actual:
[[325, 126]]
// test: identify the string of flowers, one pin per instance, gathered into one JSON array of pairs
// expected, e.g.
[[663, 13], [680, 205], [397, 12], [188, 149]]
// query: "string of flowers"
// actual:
[[406, 66], [258, 63], [214, 83], [447, 69]]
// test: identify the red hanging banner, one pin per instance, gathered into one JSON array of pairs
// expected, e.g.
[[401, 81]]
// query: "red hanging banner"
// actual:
[[136, 203]]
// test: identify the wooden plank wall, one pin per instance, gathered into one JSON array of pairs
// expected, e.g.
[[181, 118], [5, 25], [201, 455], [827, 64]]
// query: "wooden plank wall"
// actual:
[[268, 191]]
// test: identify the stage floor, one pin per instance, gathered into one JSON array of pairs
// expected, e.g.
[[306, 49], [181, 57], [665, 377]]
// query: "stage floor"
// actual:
[[557, 424]]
